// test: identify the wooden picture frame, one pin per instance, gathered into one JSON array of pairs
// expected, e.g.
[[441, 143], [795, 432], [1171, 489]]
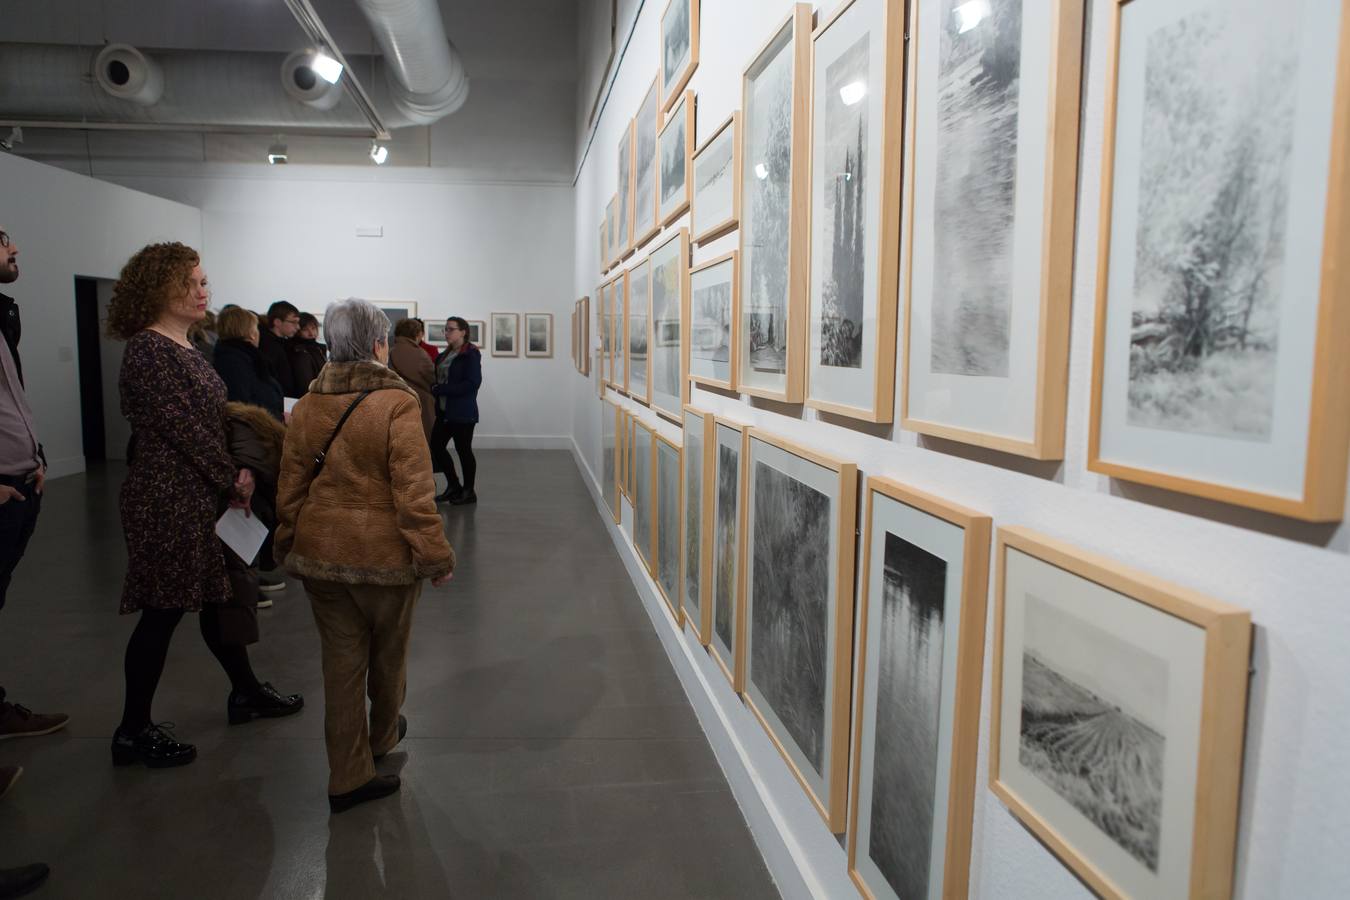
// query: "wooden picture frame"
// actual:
[[584, 352], [544, 320], [1254, 417], [1130, 654], [675, 143], [724, 145], [681, 69], [845, 386], [505, 320], [476, 329], [697, 491], [646, 128], [610, 482], [620, 333], [794, 477], [773, 323], [726, 640], [625, 214], [622, 443], [930, 577], [642, 487], [637, 331], [604, 245], [629, 443], [669, 379], [612, 232], [667, 542], [702, 367]]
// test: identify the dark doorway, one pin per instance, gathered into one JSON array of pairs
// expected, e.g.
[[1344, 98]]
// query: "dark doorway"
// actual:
[[91, 370]]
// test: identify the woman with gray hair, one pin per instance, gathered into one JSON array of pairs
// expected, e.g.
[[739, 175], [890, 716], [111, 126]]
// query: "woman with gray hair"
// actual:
[[357, 523]]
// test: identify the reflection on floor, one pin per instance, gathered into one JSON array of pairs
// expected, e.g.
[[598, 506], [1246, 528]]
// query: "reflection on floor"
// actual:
[[551, 751]]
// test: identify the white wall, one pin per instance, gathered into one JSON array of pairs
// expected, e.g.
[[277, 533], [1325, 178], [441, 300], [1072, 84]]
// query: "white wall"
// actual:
[[467, 249], [67, 225], [1295, 818]]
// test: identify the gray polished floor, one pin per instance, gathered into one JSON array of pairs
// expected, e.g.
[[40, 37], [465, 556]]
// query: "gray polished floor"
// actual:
[[551, 751]]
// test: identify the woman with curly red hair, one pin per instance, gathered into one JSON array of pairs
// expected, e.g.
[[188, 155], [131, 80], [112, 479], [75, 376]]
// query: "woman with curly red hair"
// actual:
[[181, 479]]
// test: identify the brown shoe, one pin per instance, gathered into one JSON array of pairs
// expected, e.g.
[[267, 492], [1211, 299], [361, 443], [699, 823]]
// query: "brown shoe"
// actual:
[[9, 775], [17, 720]]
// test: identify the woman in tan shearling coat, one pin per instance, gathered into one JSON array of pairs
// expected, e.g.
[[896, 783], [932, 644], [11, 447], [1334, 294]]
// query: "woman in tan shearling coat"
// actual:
[[361, 532], [410, 361]]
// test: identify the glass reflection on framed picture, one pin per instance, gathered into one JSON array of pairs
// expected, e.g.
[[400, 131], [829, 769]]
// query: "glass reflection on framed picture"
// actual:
[[1223, 314], [716, 168]]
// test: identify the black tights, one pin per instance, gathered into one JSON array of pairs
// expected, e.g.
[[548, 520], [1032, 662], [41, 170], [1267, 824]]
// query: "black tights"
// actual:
[[462, 434], [146, 652]]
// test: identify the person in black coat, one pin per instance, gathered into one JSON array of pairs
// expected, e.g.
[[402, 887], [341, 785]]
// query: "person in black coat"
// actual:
[[247, 376], [308, 356], [459, 375], [281, 323]]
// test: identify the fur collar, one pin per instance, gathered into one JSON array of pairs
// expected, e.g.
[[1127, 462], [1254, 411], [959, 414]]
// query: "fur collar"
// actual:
[[350, 377], [271, 433]]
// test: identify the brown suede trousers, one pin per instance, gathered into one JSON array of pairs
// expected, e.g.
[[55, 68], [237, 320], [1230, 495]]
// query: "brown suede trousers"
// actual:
[[364, 631]]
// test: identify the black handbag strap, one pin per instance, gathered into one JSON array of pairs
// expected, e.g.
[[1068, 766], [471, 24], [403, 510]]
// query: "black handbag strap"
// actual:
[[323, 454]]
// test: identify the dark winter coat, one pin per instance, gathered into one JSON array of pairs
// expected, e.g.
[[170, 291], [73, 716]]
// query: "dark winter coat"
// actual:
[[11, 326], [411, 363], [457, 385], [247, 377], [275, 351], [307, 358]]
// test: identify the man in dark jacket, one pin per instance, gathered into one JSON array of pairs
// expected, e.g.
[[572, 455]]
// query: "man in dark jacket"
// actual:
[[307, 354], [459, 374], [283, 321]]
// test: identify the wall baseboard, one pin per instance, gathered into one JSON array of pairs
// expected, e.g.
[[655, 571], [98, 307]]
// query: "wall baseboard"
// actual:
[[522, 442]]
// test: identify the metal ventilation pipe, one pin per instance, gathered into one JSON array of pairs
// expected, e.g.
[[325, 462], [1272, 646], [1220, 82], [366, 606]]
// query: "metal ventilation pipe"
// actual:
[[425, 73], [128, 74]]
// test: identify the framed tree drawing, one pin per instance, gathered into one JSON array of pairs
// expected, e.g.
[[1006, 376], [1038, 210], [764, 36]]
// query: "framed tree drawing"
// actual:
[[716, 171], [646, 222], [505, 330], [614, 306], [604, 244], [1222, 310], [625, 446], [612, 232], [675, 148], [990, 223], [669, 535], [638, 329], [1117, 724], [642, 491], [539, 334], [696, 558], [775, 182], [799, 553], [921, 619], [620, 342], [712, 318], [611, 419], [727, 588], [670, 302], [679, 48], [477, 328], [625, 211], [602, 326]]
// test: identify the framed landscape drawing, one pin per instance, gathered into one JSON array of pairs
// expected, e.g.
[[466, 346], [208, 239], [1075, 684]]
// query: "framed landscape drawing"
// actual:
[[505, 330], [585, 342], [620, 344], [675, 148], [717, 189], [625, 213], [669, 534], [679, 48], [799, 552], [696, 561], [624, 446], [993, 172], [925, 577], [611, 232], [670, 301], [1118, 715], [712, 317], [477, 328], [604, 246], [539, 334], [775, 181], [602, 325], [435, 333], [645, 220], [638, 328], [727, 588], [1223, 315], [642, 472], [611, 417], [855, 203]]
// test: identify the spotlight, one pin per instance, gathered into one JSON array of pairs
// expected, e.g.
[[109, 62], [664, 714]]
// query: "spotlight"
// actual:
[[327, 68], [276, 154], [378, 153]]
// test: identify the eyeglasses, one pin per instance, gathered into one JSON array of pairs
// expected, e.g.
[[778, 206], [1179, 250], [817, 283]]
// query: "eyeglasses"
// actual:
[[4, 239], [453, 328]]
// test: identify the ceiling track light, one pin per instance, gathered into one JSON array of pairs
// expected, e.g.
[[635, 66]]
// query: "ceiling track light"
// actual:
[[327, 68], [276, 154], [379, 153]]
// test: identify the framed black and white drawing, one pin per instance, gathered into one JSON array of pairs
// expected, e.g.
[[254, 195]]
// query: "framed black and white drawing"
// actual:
[[620, 345], [505, 330], [612, 232], [921, 618], [669, 534], [717, 191], [637, 328], [696, 561], [679, 48], [1118, 712], [857, 54], [436, 332], [604, 244], [712, 317], [539, 334], [728, 550], [1222, 309], [477, 328], [800, 515], [670, 302], [642, 491], [611, 418], [602, 329], [775, 182], [625, 212], [990, 221], [646, 222], [624, 455], [675, 147]]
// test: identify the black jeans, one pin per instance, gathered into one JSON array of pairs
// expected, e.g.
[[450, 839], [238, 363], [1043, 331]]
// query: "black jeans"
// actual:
[[18, 519], [462, 434]]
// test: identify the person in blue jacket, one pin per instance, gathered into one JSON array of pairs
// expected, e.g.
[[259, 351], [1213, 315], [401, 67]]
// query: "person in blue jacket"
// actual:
[[459, 374]]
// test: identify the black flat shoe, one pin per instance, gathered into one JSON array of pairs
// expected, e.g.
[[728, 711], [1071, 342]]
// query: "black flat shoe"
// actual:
[[17, 882], [154, 746], [449, 494], [374, 789], [462, 499], [264, 703], [402, 730]]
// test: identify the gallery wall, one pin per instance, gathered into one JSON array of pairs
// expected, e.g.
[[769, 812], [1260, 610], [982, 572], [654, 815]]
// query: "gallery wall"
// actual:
[[1293, 577]]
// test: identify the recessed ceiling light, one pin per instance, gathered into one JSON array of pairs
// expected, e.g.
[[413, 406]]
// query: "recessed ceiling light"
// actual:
[[327, 68]]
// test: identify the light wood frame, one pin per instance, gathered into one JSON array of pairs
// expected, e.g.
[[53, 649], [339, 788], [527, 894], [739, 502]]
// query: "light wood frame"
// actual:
[[618, 412], [730, 382], [604, 246], [1057, 233], [673, 604], [703, 627], [646, 555], [611, 232], [682, 235], [672, 117], [1227, 654], [492, 336], [629, 443], [832, 807], [526, 335], [645, 397], [965, 720], [887, 244], [620, 340], [482, 330], [621, 469], [625, 192], [668, 99], [1328, 453], [600, 320], [718, 229], [733, 668], [654, 92], [800, 22], [585, 351]]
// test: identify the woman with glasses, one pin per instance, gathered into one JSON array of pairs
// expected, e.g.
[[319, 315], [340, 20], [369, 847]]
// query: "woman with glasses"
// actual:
[[459, 375]]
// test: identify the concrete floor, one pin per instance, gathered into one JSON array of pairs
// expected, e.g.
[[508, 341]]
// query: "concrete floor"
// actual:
[[550, 753]]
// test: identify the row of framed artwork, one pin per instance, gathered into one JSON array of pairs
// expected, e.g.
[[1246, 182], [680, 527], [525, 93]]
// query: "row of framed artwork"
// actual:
[[506, 331], [1220, 310], [1118, 699]]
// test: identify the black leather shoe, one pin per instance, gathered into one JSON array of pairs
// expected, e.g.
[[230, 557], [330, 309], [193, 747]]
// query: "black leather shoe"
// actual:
[[264, 703], [449, 494], [17, 882], [154, 746], [402, 731], [374, 789], [463, 498]]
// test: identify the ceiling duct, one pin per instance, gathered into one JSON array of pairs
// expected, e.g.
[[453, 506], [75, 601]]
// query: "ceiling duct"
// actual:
[[305, 85], [127, 74], [425, 74]]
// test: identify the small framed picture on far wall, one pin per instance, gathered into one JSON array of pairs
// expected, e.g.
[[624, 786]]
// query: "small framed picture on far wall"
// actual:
[[505, 330], [476, 329], [539, 334]]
